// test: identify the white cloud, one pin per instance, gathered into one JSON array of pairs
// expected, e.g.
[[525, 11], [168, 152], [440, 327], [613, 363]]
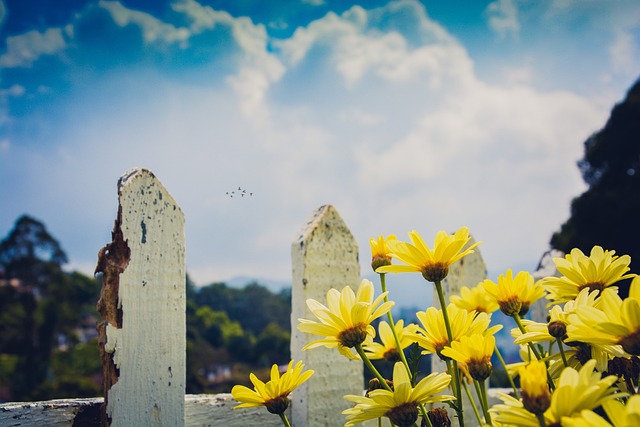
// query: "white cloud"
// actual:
[[503, 18], [153, 29], [625, 51], [24, 49], [397, 135]]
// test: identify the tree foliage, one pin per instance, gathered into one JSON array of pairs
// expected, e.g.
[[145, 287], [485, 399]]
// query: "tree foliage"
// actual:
[[46, 314], [41, 308], [606, 214]]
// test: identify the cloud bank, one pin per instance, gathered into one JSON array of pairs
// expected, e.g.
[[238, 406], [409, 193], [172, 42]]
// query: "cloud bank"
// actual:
[[380, 112]]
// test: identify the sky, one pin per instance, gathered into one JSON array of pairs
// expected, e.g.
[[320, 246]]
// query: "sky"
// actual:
[[404, 115]]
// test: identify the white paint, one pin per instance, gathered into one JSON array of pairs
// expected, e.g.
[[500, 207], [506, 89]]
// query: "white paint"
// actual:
[[150, 349], [324, 256], [200, 410]]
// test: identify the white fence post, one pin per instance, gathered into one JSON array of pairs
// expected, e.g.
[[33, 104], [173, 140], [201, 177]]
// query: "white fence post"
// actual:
[[324, 255], [143, 307], [546, 267]]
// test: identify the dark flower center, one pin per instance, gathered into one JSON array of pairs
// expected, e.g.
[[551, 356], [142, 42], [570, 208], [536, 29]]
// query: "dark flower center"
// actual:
[[392, 355], [511, 306], [631, 343], [593, 286], [277, 405], [379, 261], [404, 415], [353, 336], [438, 418], [557, 329], [435, 272], [536, 404], [479, 370]]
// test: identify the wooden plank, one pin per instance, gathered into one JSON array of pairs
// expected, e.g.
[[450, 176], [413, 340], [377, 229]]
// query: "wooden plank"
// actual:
[[324, 255], [143, 304], [200, 411]]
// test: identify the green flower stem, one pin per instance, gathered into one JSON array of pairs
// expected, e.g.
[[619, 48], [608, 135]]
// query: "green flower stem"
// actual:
[[456, 374], [284, 419], [564, 357], [473, 404], [485, 401], [372, 368], [535, 351], [506, 371], [541, 420], [533, 348], [383, 284]]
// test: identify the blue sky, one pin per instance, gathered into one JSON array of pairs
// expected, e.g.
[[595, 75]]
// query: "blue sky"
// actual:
[[403, 115]]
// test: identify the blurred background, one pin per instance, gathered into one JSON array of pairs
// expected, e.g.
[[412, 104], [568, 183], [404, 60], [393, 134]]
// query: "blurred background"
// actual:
[[496, 115]]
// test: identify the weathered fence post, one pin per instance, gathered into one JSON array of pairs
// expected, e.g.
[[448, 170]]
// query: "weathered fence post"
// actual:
[[546, 267], [324, 255], [143, 334]]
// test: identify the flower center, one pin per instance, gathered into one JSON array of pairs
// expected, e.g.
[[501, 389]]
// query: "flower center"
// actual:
[[438, 417], [593, 286], [557, 329], [353, 336], [631, 343], [379, 261], [480, 370], [511, 306], [277, 405], [392, 355], [435, 272], [404, 415], [536, 403]]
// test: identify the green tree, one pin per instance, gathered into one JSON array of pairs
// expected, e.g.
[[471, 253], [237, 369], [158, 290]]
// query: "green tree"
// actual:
[[272, 346], [40, 304], [606, 214]]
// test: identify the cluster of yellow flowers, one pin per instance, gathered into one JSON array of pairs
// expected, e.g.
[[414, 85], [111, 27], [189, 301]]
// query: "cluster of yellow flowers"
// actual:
[[579, 369]]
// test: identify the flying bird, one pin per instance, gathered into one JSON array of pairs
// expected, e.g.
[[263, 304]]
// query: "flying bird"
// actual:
[[240, 191]]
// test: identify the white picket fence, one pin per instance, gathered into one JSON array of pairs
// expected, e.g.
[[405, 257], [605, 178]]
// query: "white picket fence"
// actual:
[[143, 334]]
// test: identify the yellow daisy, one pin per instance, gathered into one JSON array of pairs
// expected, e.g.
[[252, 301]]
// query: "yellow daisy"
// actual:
[[380, 253], [432, 336], [433, 264], [475, 299], [558, 320], [598, 271], [274, 394], [514, 295], [388, 350], [624, 415], [473, 353], [346, 319], [619, 414], [575, 392], [401, 404], [535, 391], [613, 322]]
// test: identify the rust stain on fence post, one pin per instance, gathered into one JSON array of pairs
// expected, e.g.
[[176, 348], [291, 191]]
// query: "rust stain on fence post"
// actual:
[[112, 261], [142, 334]]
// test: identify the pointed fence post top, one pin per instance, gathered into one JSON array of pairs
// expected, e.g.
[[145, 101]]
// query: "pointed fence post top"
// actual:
[[469, 271], [324, 255], [325, 219], [142, 334]]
